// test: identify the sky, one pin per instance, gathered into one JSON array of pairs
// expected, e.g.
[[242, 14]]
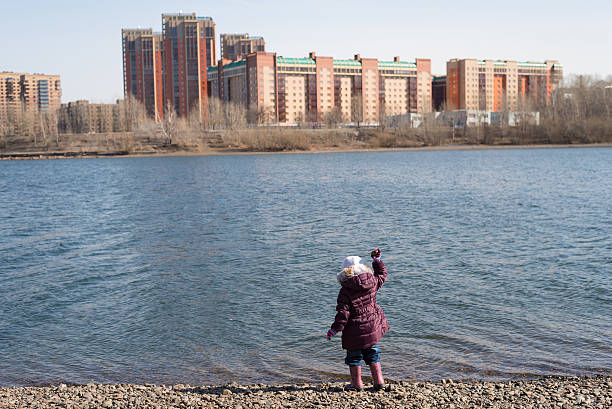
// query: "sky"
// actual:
[[81, 40]]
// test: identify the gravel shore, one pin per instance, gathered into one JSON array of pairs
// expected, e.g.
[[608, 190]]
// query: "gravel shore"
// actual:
[[552, 392]]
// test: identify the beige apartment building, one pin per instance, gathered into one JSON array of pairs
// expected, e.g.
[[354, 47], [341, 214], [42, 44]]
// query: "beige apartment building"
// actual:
[[36, 92], [237, 46], [83, 117], [500, 85], [292, 90]]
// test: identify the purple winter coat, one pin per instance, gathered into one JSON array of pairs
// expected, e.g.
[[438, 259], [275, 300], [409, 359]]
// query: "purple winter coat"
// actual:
[[361, 320]]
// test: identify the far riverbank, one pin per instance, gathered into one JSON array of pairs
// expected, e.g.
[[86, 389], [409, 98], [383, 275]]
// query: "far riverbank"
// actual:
[[66, 154]]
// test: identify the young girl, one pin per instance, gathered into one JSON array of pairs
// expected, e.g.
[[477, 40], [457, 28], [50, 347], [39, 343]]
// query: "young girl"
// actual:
[[361, 320]]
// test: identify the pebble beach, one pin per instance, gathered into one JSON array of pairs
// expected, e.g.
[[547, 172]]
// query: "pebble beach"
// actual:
[[549, 392]]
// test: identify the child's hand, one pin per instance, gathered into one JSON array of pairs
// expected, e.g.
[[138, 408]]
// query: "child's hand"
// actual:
[[375, 254], [330, 334]]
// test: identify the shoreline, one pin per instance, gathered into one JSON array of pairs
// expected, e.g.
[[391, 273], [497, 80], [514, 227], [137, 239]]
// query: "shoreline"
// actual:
[[238, 152], [546, 392]]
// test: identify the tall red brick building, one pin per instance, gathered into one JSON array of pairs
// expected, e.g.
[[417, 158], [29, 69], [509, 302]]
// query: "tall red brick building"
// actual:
[[186, 61], [170, 69], [142, 69]]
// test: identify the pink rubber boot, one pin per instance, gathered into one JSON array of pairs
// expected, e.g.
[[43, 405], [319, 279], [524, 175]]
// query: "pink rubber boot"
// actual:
[[356, 382], [377, 378]]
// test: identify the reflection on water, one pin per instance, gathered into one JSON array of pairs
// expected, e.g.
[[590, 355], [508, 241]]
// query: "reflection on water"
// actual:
[[210, 269]]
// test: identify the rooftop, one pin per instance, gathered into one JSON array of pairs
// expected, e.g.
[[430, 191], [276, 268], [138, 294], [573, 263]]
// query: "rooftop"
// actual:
[[522, 64], [343, 63], [295, 61], [234, 64], [394, 64], [184, 16]]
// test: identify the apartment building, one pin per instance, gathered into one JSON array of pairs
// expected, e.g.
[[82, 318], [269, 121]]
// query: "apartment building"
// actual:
[[185, 46], [500, 85], [208, 26], [142, 69], [37, 92], [228, 81], [83, 117], [235, 47], [292, 90], [170, 67], [10, 93], [438, 92]]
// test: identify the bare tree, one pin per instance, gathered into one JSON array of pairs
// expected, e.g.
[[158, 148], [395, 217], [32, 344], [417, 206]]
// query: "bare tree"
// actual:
[[333, 117], [382, 115], [216, 114], [268, 114], [300, 120], [357, 108], [252, 115], [169, 126], [235, 116]]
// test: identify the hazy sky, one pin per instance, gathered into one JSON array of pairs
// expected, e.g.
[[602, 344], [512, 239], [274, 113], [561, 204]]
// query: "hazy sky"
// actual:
[[81, 40]]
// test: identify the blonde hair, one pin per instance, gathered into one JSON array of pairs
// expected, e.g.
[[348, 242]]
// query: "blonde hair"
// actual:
[[350, 271]]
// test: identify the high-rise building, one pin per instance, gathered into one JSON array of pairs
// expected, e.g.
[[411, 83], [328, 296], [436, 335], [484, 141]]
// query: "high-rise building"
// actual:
[[307, 89], [142, 69], [237, 46], [171, 67], [36, 92], [210, 33], [83, 117], [499, 85], [10, 95], [227, 81], [186, 40], [438, 92]]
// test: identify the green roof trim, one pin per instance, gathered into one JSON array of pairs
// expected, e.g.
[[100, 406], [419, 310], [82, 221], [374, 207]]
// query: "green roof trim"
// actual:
[[294, 61], [234, 64], [393, 64], [501, 63], [532, 64], [343, 63], [347, 63], [211, 70]]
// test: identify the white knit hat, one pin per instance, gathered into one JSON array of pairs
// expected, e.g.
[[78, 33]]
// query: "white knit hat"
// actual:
[[358, 267], [351, 261]]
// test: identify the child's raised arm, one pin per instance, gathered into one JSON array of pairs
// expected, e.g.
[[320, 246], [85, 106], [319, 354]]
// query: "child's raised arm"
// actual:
[[380, 271]]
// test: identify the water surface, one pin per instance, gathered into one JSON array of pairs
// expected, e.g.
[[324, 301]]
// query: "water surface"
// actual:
[[211, 269]]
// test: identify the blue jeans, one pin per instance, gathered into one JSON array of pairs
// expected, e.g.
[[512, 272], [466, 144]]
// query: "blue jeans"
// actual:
[[370, 355]]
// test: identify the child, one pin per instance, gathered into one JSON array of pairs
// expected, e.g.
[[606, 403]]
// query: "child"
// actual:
[[361, 320]]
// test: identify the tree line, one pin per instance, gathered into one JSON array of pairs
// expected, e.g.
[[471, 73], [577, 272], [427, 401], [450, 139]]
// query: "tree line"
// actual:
[[580, 110]]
